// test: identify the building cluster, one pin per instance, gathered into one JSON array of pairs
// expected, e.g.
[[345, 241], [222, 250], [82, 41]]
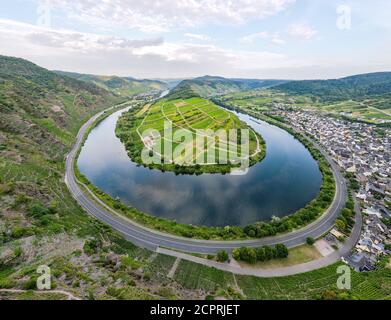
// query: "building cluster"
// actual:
[[364, 151]]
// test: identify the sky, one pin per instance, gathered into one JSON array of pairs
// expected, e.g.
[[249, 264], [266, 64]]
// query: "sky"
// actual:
[[264, 39]]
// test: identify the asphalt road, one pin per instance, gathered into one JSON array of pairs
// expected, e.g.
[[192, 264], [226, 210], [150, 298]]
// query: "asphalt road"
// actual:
[[152, 239]]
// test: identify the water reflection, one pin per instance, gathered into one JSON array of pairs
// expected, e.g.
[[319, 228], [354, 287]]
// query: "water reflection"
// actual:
[[286, 180]]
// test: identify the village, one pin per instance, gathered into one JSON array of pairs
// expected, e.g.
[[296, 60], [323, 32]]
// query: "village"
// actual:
[[363, 152]]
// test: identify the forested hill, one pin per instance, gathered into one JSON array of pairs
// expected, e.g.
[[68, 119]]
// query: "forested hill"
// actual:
[[208, 86], [125, 86], [42, 108], [358, 86], [184, 90]]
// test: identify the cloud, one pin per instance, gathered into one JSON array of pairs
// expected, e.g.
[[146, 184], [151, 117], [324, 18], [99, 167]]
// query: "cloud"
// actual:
[[253, 37], [302, 31], [71, 40], [148, 58], [273, 37], [163, 15], [277, 40], [195, 36]]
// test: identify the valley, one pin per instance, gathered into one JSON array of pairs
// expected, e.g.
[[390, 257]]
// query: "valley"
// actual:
[[42, 223]]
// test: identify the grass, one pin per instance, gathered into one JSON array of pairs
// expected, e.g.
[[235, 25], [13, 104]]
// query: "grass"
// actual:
[[298, 255], [204, 151]]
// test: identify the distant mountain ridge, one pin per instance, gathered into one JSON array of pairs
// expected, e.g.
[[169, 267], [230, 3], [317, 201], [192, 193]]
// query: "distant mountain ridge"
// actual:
[[357, 86], [124, 86], [45, 108], [209, 86], [11, 68]]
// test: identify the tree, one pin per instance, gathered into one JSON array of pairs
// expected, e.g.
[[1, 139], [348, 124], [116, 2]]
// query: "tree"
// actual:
[[261, 255], [340, 224], [310, 241], [269, 253], [245, 254], [347, 213], [251, 256], [222, 256], [236, 254], [281, 251], [250, 230]]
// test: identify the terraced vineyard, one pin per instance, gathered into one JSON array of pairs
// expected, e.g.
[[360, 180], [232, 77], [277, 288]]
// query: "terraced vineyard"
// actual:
[[318, 284], [189, 136]]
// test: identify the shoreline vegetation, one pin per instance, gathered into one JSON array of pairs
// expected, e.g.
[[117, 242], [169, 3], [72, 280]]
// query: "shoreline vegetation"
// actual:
[[196, 114], [295, 221]]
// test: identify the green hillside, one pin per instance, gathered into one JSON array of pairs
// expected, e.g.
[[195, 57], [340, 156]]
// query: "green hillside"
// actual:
[[40, 114], [124, 86], [354, 87], [186, 112], [38, 104], [208, 86], [40, 222]]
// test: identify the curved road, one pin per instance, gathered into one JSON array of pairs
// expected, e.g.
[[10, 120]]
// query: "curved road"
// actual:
[[152, 239]]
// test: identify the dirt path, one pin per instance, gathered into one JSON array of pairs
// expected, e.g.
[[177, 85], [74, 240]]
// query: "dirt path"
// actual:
[[70, 296], [174, 267]]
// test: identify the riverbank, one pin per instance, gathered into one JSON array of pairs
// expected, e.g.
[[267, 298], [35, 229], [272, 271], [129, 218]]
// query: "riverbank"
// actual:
[[196, 232], [193, 117]]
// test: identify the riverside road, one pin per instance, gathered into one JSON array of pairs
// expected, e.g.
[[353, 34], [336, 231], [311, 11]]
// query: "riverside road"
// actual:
[[151, 239]]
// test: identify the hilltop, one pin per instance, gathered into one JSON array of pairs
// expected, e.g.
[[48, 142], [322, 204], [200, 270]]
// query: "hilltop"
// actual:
[[187, 111], [209, 86], [36, 102], [353, 87], [124, 86]]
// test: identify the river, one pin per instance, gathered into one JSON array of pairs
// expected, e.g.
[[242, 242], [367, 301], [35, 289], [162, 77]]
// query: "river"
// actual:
[[285, 181]]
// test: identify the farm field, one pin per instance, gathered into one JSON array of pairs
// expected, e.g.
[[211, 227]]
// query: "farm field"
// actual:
[[215, 139], [376, 110], [262, 100], [368, 110], [318, 284]]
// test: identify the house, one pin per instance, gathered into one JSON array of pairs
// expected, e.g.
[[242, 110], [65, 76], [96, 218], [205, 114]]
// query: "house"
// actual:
[[372, 211], [359, 262]]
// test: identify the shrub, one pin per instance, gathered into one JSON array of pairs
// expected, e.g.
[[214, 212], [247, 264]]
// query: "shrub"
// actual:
[[250, 255], [261, 254], [264, 253], [91, 246], [20, 232], [341, 225], [18, 251], [38, 210], [7, 283], [269, 253], [130, 262], [236, 254], [310, 241], [222, 256], [30, 284], [281, 251]]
